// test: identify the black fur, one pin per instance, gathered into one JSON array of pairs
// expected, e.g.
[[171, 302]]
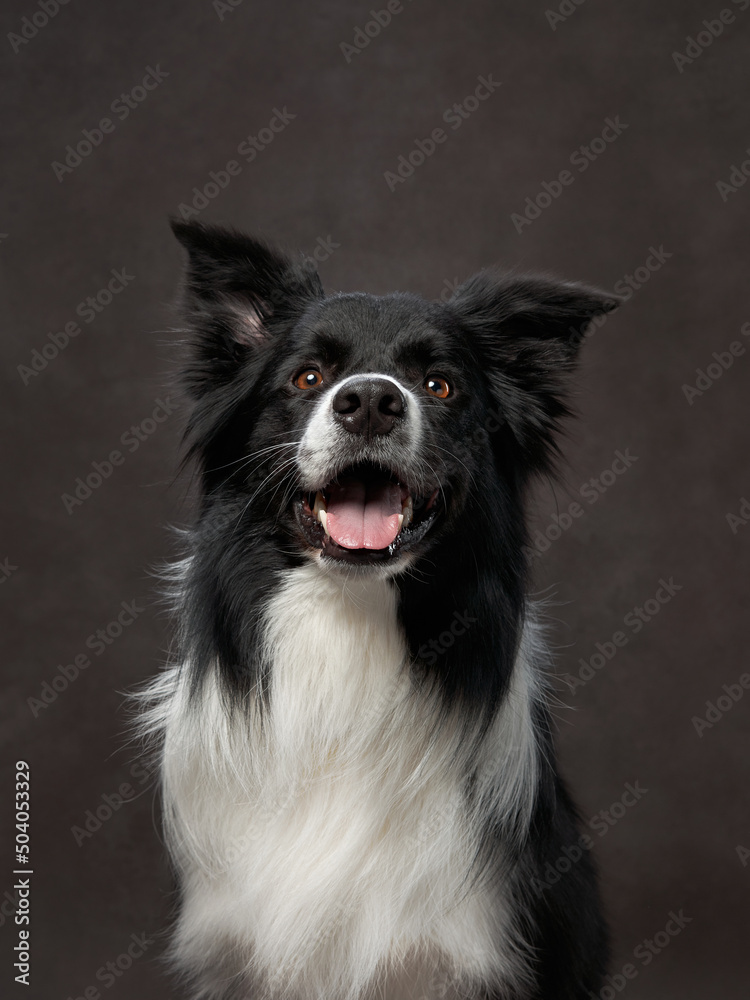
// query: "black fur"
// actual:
[[508, 345]]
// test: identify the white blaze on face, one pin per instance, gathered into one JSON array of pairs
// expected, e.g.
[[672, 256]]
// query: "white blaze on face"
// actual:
[[325, 441]]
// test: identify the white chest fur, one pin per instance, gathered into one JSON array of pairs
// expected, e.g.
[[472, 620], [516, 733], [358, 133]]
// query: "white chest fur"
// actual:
[[326, 846]]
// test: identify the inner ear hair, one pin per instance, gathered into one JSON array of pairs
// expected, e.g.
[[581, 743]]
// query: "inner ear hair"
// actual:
[[248, 323]]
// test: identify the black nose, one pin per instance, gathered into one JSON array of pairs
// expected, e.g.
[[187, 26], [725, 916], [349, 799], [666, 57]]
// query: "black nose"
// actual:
[[369, 406]]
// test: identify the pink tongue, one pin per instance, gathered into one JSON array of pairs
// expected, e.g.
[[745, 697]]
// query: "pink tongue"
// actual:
[[363, 515]]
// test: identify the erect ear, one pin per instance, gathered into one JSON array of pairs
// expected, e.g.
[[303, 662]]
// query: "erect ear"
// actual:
[[238, 293], [527, 331]]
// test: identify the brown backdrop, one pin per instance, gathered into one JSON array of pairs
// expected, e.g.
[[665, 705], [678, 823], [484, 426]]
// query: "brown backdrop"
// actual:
[[344, 116]]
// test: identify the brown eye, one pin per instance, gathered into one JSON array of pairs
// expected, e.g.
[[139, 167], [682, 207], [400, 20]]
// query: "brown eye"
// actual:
[[308, 379], [437, 387]]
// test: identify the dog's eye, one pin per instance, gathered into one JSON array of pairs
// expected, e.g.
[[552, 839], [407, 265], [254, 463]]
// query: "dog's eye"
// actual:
[[437, 387], [308, 379]]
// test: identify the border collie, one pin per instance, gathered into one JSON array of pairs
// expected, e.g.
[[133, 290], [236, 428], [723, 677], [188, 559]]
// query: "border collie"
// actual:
[[354, 740]]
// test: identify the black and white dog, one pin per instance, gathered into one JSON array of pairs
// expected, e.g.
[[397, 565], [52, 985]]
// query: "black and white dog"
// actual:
[[357, 766]]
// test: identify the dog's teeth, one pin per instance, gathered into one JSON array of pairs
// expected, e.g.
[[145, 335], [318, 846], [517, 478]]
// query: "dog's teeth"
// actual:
[[407, 512], [320, 512]]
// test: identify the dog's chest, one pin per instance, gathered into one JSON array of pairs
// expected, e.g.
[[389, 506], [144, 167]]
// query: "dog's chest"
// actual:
[[340, 832]]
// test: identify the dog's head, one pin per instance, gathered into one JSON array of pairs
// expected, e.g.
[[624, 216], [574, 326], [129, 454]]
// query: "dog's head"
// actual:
[[362, 428]]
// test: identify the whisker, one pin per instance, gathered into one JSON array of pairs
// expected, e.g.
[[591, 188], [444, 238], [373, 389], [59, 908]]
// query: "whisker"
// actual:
[[457, 459], [255, 454], [275, 471]]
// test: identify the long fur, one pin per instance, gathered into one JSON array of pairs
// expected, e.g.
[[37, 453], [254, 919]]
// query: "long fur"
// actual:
[[357, 766]]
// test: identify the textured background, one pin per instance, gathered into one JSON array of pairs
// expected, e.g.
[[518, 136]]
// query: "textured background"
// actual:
[[321, 178]]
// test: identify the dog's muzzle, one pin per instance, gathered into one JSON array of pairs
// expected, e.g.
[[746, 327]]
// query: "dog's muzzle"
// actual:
[[365, 498]]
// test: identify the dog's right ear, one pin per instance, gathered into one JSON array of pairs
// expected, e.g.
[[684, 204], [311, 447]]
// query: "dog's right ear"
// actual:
[[239, 292], [527, 330]]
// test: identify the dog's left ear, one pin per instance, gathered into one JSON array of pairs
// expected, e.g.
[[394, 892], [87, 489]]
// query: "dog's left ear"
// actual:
[[527, 331], [239, 292]]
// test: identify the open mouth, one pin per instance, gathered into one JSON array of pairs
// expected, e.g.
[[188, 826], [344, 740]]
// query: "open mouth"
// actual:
[[365, 514]]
